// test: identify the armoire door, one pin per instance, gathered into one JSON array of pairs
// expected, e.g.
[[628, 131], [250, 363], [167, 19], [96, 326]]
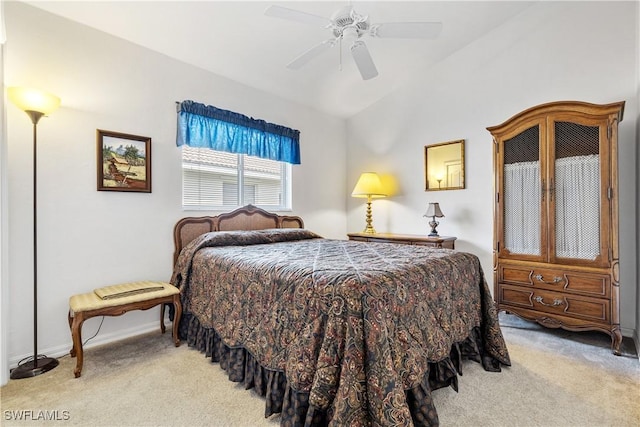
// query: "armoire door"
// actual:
[[579, 191], [521, 201]]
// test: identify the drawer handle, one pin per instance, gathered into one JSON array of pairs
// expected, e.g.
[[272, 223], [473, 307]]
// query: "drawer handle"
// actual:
[[556, 279], [556, 302]]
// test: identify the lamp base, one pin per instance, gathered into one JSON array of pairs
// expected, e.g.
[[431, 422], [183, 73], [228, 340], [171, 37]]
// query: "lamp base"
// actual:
[[31, 369], [433, 223], [369, 228]]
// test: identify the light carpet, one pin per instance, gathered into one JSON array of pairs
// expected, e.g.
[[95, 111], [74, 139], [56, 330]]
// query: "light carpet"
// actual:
[[557, 378]]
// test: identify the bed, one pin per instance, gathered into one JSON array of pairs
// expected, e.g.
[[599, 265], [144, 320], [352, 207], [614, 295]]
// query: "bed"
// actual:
[[332, 332]]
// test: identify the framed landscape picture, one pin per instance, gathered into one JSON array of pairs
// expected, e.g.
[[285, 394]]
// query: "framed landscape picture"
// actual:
[[124, 162]]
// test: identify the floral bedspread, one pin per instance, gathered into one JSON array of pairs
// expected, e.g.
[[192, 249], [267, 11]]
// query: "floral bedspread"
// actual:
[[355, 325]]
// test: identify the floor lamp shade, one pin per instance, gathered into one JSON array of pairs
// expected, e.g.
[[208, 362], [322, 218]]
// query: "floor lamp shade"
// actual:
[[33, 101], [369, 186], [36, 104]]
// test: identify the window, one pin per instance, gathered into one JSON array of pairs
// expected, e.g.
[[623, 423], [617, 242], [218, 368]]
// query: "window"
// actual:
[[217, 179], [231, 160]]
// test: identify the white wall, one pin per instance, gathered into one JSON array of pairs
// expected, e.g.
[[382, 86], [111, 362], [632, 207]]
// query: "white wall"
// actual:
[[637, 142], [88, 238], [552, 51], [4, 241]]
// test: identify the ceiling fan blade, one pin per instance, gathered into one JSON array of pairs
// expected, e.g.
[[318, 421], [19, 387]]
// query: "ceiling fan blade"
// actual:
[[407, 30], [297, 16], [308, 55], [363, 60]]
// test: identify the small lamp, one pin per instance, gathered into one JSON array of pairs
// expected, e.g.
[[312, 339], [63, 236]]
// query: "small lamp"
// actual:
[[369, 186], [36, 104], [433, 211]]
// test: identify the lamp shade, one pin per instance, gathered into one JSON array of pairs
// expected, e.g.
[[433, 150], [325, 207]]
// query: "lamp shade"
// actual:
[[28, 99], [434, 210], [368, 185]]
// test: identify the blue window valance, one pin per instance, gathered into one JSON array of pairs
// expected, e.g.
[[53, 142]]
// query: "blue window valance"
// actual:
[[206, 126]]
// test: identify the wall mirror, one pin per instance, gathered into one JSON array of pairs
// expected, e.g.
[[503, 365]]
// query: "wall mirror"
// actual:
[[444, 166]]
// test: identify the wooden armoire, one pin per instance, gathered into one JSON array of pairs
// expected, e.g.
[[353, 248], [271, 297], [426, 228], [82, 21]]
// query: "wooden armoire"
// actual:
[[556, 216]]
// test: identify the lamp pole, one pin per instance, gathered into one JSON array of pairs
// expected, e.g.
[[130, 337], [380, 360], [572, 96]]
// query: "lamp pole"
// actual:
[[35, 117], [35, 104]]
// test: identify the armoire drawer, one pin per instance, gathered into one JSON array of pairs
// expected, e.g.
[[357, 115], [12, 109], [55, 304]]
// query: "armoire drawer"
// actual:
[[594, 284], [578, 306]]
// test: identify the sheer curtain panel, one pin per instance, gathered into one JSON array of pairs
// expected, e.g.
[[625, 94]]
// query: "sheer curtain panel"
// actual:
[[578, 207], [522, 208]]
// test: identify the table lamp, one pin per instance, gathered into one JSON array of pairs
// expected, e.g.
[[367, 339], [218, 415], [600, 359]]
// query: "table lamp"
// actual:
[[433, 211], [369, 187]]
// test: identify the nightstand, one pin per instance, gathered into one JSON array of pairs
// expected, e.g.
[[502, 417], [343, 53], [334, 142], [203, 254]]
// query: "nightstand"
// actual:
[[446, 242]]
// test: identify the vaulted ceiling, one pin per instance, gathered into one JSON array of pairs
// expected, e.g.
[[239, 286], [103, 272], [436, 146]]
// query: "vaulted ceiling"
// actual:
[[235, 39]]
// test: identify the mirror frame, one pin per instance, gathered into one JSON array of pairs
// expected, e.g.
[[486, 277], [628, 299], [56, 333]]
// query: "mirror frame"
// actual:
[[443, 166]]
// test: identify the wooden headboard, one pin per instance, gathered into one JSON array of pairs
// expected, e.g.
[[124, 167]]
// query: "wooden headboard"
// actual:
[[245, 218]]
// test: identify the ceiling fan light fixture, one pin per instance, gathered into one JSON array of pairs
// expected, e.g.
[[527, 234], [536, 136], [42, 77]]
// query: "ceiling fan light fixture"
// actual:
[[349, 35]]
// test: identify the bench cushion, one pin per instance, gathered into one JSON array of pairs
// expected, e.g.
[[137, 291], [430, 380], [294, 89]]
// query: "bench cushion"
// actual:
[[122, 294]]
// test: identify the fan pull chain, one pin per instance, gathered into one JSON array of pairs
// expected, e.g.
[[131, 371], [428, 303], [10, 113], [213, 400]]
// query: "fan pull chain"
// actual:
[[340, 60]]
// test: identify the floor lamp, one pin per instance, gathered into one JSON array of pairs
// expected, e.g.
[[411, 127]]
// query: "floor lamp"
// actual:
[[36, 104]]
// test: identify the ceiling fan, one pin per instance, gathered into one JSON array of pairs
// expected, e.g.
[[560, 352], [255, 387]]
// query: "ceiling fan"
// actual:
[[348, 27]]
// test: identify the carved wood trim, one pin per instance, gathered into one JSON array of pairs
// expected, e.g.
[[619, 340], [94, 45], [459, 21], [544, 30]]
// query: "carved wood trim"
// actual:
[[245, 218]]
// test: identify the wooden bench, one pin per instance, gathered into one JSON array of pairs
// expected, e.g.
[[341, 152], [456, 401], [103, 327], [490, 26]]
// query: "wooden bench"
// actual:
[[115, 301]]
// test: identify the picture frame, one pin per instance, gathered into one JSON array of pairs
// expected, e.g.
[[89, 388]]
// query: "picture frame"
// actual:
[[124, 162], [444, 166]]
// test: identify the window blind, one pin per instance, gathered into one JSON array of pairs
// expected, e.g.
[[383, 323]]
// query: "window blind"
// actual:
[[219, 180]]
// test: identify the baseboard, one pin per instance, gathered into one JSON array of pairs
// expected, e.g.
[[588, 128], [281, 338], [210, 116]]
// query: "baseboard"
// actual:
[[100, 339], [634, 335]]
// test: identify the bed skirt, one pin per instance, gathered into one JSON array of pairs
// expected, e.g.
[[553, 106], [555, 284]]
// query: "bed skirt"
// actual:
[[293, 405]]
